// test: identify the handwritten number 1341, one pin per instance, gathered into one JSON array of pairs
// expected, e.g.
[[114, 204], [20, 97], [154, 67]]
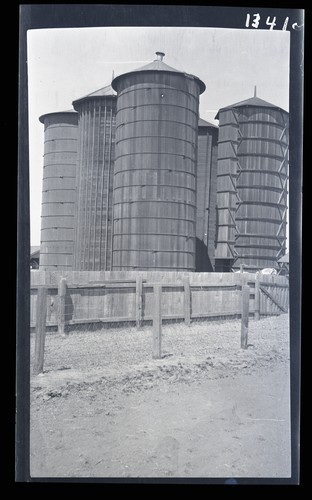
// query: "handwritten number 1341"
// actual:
[[256, 21]]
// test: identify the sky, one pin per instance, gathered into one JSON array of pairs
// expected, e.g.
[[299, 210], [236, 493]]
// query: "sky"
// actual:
[[65, 64]]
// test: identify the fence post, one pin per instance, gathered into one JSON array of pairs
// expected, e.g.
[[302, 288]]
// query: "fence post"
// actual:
[[41, 314], [138, 301], [157, 322], [257, 297], [245, 316], [282, 298], [61, 308], [187, 301]]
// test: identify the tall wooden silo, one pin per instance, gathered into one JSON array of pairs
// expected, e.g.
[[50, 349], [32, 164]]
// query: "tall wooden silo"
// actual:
[[96, 139], [155, 168], [58, 190], [252, 180], [206, 196]]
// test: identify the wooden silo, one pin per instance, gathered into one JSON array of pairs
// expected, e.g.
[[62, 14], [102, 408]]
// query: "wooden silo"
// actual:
[[206, 196], [96, 139], [58, 190], [253, 167], [155, 168]]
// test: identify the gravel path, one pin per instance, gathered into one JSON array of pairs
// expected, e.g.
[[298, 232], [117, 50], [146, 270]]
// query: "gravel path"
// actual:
[[118, 351], [105, 408]]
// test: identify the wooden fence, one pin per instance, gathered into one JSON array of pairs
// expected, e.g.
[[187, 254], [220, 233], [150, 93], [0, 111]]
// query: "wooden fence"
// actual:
[[111, 296]]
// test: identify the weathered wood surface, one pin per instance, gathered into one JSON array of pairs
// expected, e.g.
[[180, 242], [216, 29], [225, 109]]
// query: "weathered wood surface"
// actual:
[[41, 314], [139, 304], [245, 316], [157, 323], [61, 317], [210, 295], [276, 301], [187, 301], [257, 299]]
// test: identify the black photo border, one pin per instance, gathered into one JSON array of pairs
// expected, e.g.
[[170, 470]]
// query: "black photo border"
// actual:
[[39, 16]]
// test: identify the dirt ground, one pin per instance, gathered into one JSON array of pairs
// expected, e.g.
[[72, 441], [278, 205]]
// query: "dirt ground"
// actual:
[[104, 408]]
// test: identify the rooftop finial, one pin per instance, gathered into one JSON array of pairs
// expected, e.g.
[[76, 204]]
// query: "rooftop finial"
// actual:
[[160, 56], [255, 91]]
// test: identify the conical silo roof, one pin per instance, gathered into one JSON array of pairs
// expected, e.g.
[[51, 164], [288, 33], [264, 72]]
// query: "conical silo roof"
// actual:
[[106, 91], [159, 65], [253, 101]]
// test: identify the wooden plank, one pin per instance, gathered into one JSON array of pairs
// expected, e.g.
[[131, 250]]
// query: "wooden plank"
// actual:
[[106, 281], [138, 301], [78, 279], [76, 299], [49, 287], [216, 285], [245, 316], [274, 285], [273, 299], [251, 285], [212, 315], [283, 297], [257, 298], [275, 293], [216, 288], [33, 306], [164, 284], [279, 296], [263, 300], [157, 323], [48, 323], [94, 286], [148, 317], [61, 317], [98, 303], [187, 301], [40, 330], [236, 295], [115, 319], [92, 298]]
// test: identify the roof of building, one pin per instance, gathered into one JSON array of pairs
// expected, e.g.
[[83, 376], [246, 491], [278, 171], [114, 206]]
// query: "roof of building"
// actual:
[[106, 91], [253, 101], [159, 65], [204, 123], [284, 259], [67, 111], [34, 252]]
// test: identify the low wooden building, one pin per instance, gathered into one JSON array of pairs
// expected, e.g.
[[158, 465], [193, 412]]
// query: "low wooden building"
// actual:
[[34, 257]]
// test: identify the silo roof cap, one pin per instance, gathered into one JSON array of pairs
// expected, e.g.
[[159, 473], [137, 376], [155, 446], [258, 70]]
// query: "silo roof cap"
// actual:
[[106, 91], [67, 111], [253, 101], [159, 65]]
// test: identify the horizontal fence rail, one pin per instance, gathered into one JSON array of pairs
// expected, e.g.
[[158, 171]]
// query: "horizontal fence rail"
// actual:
[[75, 298]]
